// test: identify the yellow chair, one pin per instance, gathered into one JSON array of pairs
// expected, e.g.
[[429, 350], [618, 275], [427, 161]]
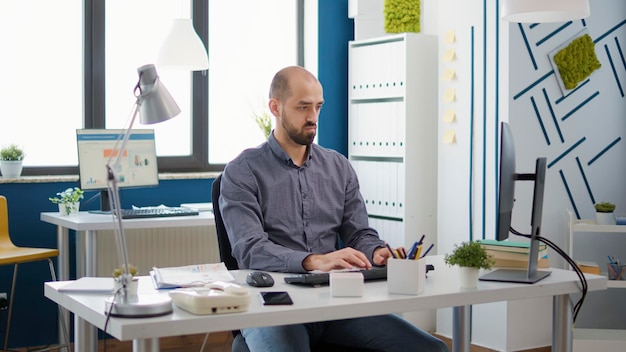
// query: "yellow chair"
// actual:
[[12, 254]]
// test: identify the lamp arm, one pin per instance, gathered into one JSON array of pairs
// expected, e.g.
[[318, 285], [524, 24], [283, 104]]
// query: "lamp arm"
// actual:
[[114, 203]]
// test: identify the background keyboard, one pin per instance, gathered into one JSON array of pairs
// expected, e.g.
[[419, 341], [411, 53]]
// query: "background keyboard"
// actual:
[[157, 212]]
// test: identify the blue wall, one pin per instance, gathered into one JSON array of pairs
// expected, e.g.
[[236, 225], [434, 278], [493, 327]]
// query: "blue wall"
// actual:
[[27, 200], [335, 30]]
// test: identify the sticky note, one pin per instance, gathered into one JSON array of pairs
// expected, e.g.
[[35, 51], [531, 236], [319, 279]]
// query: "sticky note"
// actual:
[[449, 74], [449, 116], [450, 37], [450, 95], [449, 55], [449, 137]]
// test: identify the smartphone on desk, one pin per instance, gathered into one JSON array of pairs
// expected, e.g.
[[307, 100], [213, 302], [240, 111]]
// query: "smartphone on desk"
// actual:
[[274, 298]]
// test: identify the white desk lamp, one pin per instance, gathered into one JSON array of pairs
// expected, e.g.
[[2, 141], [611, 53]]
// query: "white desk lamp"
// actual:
[[544, 11], [154, 104]]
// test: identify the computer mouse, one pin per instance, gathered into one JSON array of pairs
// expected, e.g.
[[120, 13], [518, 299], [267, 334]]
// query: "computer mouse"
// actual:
[[259, 279]]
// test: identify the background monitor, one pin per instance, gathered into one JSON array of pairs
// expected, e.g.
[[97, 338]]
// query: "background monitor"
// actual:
[[506, 201], [137, 167]]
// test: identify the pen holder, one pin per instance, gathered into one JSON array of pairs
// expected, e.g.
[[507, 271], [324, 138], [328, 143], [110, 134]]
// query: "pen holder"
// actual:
[[616, 271], [406, 276]]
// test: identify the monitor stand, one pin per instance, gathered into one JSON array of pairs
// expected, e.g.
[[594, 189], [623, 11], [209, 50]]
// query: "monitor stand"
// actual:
[[105, 207], [516, 276]]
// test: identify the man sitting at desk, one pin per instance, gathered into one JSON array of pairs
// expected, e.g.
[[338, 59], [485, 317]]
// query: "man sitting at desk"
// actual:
[[286, 204]]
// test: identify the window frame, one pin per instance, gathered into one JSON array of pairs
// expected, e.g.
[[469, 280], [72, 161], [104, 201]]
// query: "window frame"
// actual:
[[94, 97]]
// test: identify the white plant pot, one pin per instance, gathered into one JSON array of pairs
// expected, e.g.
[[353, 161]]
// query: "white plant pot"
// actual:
[[468, 277], [605, 218], [11, 169], [66, 209], [133, 286]]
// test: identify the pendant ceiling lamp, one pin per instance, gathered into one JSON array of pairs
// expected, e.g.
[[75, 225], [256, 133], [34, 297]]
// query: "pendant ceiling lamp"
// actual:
[[544, 11], [183, 48]]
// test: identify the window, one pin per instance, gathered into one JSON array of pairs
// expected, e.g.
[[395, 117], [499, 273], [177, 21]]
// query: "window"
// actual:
[[41, 91], [259, 42], [64, 76]]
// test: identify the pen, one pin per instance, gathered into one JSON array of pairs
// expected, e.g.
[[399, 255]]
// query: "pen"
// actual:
[[610, 259], [391, 250], [428, 250], [418, 252], [412, 251], [421, 239]]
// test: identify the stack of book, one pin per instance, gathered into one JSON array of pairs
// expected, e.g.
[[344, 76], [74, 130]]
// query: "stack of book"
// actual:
[[511, 254]]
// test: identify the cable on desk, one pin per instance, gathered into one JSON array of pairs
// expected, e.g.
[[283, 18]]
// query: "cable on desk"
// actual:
[[570, 261], [106, 322]]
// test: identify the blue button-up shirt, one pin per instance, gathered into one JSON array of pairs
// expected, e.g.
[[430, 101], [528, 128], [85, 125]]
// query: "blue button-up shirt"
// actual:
[[277, 213]]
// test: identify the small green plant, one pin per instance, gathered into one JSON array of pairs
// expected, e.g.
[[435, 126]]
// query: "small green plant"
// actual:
[[68, 197], [264, 120], [11, 153], [469, 254], [604, 207]]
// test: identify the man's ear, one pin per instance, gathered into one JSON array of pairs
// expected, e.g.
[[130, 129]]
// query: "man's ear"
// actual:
[[274, 107]]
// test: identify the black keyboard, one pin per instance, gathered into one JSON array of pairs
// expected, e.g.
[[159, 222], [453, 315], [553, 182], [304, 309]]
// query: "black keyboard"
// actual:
[[157, 212], [375, 273]]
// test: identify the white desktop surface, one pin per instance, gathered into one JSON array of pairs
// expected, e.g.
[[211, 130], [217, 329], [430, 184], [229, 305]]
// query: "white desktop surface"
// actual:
[[315, 304]]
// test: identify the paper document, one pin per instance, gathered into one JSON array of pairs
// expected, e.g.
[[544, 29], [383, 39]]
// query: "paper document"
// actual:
[[190, 275]]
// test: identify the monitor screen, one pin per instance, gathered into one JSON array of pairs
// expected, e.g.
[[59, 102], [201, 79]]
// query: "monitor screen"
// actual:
[[137, 166], [506, 195]]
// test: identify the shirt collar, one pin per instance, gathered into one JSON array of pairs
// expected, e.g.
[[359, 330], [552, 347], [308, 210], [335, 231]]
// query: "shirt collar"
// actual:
[[282, 154]]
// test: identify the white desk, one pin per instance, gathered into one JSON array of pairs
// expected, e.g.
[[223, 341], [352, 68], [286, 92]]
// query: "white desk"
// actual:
[[315, 304], [86, 226]]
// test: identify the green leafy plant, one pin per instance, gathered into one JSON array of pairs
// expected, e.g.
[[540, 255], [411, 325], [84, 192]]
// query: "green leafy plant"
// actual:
[[469, 254], [11, 153], [604, 207], [577, 61], [70, 195], [264, 120]]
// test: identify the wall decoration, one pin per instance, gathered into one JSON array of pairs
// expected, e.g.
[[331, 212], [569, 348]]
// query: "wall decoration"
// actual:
[[574, 61], [402, 16]]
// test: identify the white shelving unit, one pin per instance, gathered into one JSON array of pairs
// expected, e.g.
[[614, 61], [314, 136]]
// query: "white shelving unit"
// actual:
[[392, 133], [596, 339]]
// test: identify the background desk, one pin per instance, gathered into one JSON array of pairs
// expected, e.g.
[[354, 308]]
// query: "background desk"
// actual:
[[86, 226], [315, 304]]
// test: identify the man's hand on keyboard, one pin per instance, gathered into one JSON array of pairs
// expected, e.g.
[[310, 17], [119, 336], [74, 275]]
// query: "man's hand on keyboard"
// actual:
[[344, 258]]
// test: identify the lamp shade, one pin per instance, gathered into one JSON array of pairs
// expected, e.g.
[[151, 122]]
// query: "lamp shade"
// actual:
[[183, 48], [544, 11], [155, 102]]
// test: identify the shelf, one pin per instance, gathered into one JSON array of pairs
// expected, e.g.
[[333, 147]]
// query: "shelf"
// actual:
[[616, 284], [591, 226]]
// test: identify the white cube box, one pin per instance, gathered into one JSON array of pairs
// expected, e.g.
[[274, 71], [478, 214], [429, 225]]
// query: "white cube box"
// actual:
[[346, 284]]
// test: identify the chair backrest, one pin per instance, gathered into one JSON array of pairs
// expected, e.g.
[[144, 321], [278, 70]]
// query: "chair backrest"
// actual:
[[222, 236], [5, 238]]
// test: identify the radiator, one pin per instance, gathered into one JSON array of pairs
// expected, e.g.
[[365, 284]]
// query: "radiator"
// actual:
[[160, 247]]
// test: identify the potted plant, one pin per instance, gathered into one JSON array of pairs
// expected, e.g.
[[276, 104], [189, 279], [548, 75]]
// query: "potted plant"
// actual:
[[133, 282], [470, 256], [68, 200], [264, 121], [11, 161], [605, 213]]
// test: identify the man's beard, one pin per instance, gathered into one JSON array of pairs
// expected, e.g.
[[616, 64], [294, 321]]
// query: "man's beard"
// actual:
[[300, 137]]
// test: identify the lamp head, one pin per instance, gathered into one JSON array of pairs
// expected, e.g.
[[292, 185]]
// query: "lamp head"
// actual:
[[155, 102], [544, 11]]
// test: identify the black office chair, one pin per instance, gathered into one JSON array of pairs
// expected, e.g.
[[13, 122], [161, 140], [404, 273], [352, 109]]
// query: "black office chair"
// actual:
[[239, 344]]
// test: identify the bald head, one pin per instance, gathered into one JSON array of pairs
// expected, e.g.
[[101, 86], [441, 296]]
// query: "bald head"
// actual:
[[280, 89]]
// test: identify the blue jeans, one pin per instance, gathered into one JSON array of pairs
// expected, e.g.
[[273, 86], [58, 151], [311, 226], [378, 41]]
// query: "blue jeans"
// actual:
[[380, 333]]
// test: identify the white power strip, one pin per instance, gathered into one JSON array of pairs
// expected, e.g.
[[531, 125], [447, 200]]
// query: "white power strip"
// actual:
[[215, 298]]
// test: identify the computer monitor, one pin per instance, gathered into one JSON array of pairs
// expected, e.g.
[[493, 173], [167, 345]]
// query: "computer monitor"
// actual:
[[137, 167], [506, 200]]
